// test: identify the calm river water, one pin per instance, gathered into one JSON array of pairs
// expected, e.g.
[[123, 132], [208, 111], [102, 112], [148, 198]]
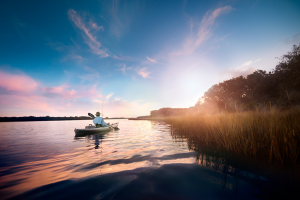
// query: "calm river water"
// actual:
[[141, 160]]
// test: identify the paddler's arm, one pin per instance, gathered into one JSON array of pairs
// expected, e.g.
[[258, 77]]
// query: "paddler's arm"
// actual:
[[103, 123]]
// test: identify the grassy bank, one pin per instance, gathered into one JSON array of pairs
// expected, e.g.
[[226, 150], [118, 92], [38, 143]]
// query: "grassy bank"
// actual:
[[273, 135]]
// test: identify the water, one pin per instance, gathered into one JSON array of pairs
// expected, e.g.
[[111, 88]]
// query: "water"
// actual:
[[142, 160]]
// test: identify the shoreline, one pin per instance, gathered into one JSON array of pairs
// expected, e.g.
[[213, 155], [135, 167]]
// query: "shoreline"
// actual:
[[30, 119], [148, 118]]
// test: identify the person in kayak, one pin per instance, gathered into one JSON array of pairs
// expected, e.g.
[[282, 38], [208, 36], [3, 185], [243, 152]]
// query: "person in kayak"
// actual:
[[98, 121]]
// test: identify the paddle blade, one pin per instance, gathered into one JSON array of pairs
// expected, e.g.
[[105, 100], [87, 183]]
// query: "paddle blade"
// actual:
[[91, 115]]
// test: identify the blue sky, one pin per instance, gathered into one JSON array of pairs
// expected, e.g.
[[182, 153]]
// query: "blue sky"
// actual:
[[68, 58]]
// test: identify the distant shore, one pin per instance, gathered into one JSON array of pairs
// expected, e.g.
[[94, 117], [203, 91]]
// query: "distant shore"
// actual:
[[141, 118], [47, 118]]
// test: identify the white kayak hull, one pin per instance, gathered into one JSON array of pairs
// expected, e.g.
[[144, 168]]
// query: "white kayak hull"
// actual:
[[93, 130]]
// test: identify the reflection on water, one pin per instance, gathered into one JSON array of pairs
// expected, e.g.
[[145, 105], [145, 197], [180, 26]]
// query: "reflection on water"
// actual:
[[141, 160], [266, 180], [35, 154]]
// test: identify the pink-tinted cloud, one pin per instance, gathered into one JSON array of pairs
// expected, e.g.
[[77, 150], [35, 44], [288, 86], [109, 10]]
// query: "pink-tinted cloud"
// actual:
[[239, 71], [208, 20], [249, 63], [92, 74], [204, 32], [152, 60], [66, 92], [25, 105], [108, 96], [72, 56], [28, 97], [221, 38], [124, 68], [90, 39], [60, 91], [143, 72], [78, 21], [116, 25], [124, 58], [95, 26], [93, 93], [122, 108], [25, 94], [117, 99], [243, 70], [14, 82]]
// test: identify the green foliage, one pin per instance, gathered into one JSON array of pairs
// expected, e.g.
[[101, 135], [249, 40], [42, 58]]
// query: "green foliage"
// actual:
[[166, 112], [280, 87]]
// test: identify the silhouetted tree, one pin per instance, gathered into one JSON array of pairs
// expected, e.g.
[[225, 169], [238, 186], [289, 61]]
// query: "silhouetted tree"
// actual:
[[280, 86]]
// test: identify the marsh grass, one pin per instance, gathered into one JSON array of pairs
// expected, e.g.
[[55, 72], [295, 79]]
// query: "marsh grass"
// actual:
[[272, 135]]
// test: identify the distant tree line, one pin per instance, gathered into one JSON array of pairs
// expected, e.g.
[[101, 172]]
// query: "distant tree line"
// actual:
[[45, 118], [279, 87], [170, 111], [48, 118]]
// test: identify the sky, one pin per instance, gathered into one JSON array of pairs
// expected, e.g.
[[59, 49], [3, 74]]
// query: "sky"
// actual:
[[68, 57]]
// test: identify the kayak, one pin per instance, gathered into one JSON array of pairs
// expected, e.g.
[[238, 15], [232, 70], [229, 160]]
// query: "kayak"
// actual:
[[92, 129]]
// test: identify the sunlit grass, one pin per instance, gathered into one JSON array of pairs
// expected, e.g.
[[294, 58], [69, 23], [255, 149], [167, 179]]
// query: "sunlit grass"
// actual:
[[273, 135]]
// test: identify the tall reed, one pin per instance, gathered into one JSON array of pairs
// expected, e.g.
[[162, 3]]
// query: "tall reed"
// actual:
[[273, 135]]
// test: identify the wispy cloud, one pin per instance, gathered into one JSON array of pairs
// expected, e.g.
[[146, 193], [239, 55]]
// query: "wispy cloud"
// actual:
[[108, 96], [244, 70], [204, 32], [124, 58], [152, 60], [116, 24], [123, 108], [123, 69], [120, 14], [249, 63], [21, 95], [26, 86], [72, 56], [59, 91], [87, 29], [295, 39], [91, 76], [221, 38], [239, 71], [95, 26], [143, 72], [20, 105], [207, 22], [116, 99], [103, 18], [14, 82], [71, 51]]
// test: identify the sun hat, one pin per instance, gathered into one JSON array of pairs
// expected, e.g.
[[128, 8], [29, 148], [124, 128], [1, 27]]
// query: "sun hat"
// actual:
[[97, 113]]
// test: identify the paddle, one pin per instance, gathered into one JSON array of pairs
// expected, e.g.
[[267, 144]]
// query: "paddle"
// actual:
[[91, 115], [115, 128]]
